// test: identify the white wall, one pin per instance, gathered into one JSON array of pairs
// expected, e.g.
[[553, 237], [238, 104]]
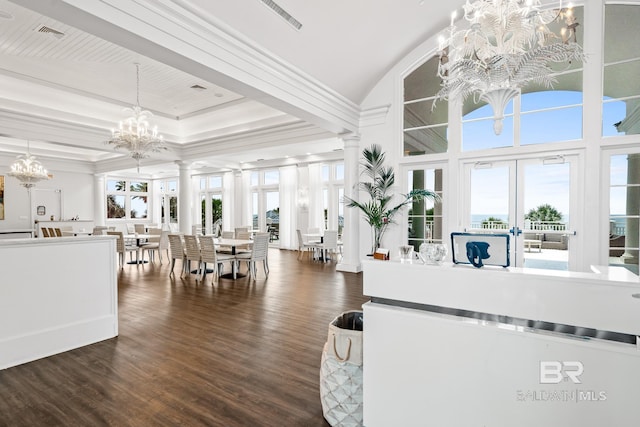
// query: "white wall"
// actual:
[[77, 191]]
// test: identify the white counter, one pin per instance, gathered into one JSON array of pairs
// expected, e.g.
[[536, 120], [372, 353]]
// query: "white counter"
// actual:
[[424, 367], [56, 295]]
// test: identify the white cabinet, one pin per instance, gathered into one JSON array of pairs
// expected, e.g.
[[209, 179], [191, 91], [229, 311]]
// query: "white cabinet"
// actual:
[[456, 346]]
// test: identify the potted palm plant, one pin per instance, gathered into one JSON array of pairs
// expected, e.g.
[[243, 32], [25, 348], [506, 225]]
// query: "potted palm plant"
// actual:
[[378, 211]]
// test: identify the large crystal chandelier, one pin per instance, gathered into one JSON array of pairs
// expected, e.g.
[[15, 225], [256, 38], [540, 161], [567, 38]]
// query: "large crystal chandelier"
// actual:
[[506, 46], [28, 170], [135, 133]]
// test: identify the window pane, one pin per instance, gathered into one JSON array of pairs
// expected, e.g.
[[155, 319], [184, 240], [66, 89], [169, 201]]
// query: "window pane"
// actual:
[[254, 210], [339, 171], [172, 185], [624, 211], [621, 23], [203, 183], [613, 112], [619, 167], [325, 173], [479, 135], [552, 98], [417, 114], [617, 83], [138, 187], [215, 182], [271, 177], [423, 82], [255, 179], [173, 206], [551, 125], [115, 206], [425, 217], [113, 185], [425, 123], [426, 141], [138, 207]]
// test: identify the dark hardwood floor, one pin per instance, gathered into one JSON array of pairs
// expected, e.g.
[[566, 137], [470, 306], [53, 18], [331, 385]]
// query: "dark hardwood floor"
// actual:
[[235, 353]]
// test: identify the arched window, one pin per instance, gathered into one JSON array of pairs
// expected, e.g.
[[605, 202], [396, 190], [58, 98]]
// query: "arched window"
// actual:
[[425, 123]]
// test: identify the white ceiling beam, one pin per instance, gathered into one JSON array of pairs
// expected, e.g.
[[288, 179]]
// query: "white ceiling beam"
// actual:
[[209, 50]]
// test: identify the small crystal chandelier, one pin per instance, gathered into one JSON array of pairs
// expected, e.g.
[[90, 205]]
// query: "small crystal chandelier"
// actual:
[[28, 170], [507, 46], [135, 133]]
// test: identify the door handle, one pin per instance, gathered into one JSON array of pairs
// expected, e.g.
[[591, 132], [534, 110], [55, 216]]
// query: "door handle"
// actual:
[[516, 231]]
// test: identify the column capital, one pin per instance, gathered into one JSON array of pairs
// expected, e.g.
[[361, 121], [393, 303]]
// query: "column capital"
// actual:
[[183, 164], [350, 137]]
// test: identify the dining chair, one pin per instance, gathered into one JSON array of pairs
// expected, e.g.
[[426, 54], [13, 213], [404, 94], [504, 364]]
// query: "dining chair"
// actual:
[[197, 229], [226, 235], [302, 245], [208, 255], [329, 244], [99, 230], [45, 232], [242, 234], [177, 251], [192, 251], [139, 228], [259, 252], [122, 248], [52, 232], [158, 241], [240, 230], [130, 229], [58, 232]]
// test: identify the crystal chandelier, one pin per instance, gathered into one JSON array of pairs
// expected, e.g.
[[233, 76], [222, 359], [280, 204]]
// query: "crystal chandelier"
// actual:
[[507, 46], [135, 133], [28, 170]]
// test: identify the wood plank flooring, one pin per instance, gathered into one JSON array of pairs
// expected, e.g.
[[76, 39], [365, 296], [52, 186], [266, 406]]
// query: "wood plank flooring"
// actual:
[[235, 353]]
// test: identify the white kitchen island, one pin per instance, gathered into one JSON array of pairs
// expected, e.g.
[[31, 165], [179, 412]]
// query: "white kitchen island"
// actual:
[[452, 345], [56, 294]]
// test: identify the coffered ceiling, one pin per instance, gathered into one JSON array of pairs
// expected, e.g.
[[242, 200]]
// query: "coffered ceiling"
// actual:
[[229, 82]]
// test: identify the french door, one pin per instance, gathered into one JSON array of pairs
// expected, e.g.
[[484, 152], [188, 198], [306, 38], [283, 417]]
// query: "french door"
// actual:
[[531, 200]]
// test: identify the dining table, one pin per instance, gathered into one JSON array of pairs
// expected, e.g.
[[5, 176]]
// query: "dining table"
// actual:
[[233, 244], [315, 238], [139, 238]]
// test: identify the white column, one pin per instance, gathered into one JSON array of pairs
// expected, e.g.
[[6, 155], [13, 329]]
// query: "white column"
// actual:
[[351, 233], [185, 201], [99, 200]]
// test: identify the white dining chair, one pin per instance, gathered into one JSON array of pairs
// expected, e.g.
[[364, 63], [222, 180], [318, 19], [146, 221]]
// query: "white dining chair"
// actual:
[[259, 252], [192, 251], [157, 242], [209, 256], [122, 248], [177, 251], [328, 245], [303, 246]]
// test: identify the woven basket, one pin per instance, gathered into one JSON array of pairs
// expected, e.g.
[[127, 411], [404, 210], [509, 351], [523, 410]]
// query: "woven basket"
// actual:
[[341, 371]]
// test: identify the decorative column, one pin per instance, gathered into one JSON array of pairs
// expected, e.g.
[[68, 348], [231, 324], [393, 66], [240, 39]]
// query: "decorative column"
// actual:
[[185, 200], [351, 232], [99, 200]]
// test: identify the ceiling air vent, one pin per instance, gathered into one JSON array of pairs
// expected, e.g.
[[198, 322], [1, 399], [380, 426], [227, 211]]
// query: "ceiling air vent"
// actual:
[[283, 13], [198, 87], [48, 30]]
